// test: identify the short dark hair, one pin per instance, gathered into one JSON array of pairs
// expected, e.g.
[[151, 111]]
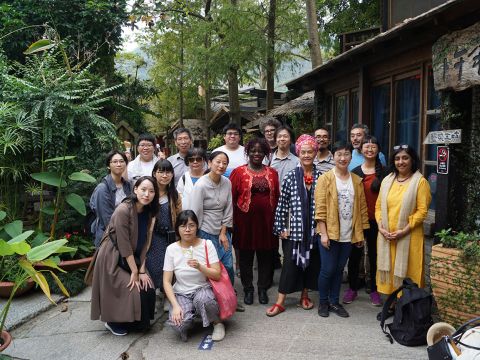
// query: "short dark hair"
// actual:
[[146, 137], [111, 154], [232, 126], [180, 131], [165, 165], [341, 145], [214, 154], [324, 129], [257, 140], [410, 151], [361, 126], [287, 128], [182, 219], [195, 151], [269, 122], [154, 206]]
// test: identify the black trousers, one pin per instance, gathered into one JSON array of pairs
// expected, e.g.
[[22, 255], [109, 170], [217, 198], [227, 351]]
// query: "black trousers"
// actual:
[[265, 268], [356, 255]]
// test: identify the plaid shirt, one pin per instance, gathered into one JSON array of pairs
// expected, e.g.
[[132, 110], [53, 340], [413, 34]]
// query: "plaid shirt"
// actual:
[[289, 202]]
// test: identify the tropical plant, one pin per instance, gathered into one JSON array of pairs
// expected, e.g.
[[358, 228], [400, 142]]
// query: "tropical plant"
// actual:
[[15, 249]]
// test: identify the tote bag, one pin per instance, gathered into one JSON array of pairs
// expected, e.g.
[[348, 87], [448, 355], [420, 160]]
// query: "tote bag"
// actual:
[[223, 290]]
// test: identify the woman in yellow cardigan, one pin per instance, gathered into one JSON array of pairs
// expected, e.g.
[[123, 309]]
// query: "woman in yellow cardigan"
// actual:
[[401, 208], [341, 215]]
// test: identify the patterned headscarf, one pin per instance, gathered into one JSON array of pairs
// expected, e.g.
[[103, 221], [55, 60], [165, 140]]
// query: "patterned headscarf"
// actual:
[[306, 140]]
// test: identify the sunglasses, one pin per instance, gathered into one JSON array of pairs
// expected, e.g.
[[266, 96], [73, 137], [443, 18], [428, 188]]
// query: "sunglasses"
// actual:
[[195, 159], [398, 147]]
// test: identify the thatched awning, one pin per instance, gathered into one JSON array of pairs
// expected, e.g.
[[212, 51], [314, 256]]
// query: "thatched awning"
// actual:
[[300, 105]]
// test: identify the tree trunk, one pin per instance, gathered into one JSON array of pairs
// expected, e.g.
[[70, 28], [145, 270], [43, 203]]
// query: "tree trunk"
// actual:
[[313, 38], [233, 100], [271, 54]]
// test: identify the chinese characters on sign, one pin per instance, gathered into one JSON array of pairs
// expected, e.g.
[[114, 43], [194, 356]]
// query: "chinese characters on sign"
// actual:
[[444, 137], [456, 59]]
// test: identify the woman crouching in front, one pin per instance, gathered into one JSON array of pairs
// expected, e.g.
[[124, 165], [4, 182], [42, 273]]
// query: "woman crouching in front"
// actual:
[[191, 294]]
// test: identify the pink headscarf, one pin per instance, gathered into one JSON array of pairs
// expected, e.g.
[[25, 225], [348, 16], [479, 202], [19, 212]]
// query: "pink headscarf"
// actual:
[[306, 140]]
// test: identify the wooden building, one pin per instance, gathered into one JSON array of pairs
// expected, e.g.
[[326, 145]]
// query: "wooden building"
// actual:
[[387, 83]]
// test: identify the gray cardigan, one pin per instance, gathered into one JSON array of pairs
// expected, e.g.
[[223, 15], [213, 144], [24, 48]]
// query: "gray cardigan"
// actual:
[[102, 202]]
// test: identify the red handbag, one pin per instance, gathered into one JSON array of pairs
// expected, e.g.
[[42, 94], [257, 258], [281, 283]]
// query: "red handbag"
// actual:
[[223, 290]]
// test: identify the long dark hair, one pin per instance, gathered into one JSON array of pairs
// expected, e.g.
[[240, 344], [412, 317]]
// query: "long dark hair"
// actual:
[[375, 187], [151, 208], [165, 165], [410, 151]]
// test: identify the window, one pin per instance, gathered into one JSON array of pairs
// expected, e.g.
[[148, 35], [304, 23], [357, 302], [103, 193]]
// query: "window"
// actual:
[[341, 118], [407, 111], [355, 107], [380, 116]]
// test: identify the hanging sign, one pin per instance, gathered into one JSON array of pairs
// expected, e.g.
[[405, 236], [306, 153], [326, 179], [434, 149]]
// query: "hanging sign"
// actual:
[[453, 136], [443, 158], [456, 59]]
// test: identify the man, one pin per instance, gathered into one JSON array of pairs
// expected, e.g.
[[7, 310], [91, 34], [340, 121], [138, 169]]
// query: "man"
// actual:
[[183, 142], [324, 159], [268, 128], [146, 159], [232, 134], [282, 159], [357, 134]]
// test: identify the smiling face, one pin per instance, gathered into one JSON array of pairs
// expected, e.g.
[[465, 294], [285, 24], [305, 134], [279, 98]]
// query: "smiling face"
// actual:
[[195, 163], [219, 164], [232, 138], [369, 150], [403, 163], [163, 177], [183, 142], [342, 158], [356, 137], [306, 155], [145, 192], [322, 138], [283, 139], [256, 155], [117, 165], [145, 149]]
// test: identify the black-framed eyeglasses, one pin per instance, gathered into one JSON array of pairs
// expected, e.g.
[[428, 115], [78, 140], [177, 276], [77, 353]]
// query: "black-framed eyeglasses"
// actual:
[[398, 147], [195, 159]]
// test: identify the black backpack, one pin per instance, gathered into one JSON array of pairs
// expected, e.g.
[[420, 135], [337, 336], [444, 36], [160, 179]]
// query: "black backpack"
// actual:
[[412, 316]]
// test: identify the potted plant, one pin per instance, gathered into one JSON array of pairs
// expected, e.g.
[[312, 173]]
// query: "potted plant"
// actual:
[[82, 256], [19, 252], [455, 275]]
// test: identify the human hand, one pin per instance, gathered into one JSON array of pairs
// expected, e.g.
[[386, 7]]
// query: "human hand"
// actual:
[[134, 282], [224, 241], [128, 154], [194, 264], [359, 244], [284, 234], [177, 315], [325, 241], [397, 234], [145, 281]]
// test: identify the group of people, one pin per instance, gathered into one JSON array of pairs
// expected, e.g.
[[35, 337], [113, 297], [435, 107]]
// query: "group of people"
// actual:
[[165, 225]]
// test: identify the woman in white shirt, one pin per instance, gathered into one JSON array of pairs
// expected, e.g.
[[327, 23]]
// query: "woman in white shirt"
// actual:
[[196, 161], [191, 294]]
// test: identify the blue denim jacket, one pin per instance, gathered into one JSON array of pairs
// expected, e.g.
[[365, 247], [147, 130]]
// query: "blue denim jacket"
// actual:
[[102, 203]]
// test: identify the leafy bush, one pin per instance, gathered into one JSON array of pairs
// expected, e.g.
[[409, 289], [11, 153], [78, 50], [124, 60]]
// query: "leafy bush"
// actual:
[[469, 243]]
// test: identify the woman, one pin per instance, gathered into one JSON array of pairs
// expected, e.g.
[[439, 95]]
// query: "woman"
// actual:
[[191, 294], [341, 214], [195, 160], [371, 174], [122, 290], [255, 196], [163, 234], [211, 200], [294, 224], [401, 208], [109, 193]]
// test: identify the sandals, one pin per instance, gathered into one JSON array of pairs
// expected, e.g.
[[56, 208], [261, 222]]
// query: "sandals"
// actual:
[[275, 310], [306, 303]]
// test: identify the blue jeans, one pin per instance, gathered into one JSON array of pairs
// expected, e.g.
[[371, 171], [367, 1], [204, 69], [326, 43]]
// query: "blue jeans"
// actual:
[[332, 262], [225, 257]]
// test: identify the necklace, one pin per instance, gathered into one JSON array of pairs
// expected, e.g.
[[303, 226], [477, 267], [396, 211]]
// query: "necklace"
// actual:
[[403, 180], [308, 179]]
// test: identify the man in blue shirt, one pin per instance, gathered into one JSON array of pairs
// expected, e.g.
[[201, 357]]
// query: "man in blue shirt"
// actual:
[[357, 134]]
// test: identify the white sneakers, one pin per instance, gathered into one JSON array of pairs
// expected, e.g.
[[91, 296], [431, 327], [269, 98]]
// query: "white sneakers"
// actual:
[[218, 332]]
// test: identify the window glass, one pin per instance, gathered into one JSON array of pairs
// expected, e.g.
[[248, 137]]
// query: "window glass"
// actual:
[[381, 116], [355, 107], [407, 111], [341, 121]]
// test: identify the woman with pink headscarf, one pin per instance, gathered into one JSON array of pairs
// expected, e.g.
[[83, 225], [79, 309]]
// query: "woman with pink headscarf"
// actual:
[[294, 224]]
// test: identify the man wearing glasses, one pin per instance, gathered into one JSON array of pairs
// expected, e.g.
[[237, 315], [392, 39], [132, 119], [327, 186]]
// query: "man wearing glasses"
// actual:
[[145, 160], [183, 142], [357, 134], [324, 159], [232, 134]]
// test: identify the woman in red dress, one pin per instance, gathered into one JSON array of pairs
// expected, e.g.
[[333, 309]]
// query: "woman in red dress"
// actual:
[[255, 192]]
